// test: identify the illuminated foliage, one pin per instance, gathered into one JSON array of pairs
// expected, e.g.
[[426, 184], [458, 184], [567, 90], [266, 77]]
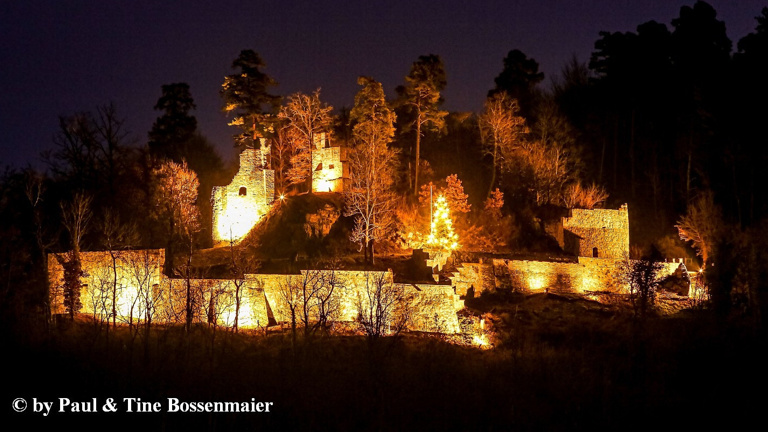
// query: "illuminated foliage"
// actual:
[[578, 196], [453, 192], [495, 202], [307, 118], [246, 95], [455, 196], [701, 225], [370, 198], [175, 198], [501, 131]]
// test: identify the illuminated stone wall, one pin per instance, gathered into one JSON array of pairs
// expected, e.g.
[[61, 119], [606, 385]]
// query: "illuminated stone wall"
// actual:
[[143, 292], [330, 168], [471, 279], [589, 274], [238, 206], [138, 275], [586, 275], [433, 307], [600, 231]]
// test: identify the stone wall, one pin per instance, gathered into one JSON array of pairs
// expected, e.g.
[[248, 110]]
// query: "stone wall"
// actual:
[[586, 275], [138, 275], [238, 206], [143, 292], [434, 308], [598, 233], [471, 279]]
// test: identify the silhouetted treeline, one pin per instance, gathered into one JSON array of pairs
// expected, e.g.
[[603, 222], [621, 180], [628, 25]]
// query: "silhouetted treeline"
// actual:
[[668, 112]]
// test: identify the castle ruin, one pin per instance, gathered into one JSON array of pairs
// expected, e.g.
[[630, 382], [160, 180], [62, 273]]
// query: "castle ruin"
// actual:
[[597, 244], [131, 283], [330, 172], [238, 206]]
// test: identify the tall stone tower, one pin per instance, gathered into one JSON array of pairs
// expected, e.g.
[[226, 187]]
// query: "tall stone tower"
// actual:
[[238, 206], [330, 170], [598, 233]]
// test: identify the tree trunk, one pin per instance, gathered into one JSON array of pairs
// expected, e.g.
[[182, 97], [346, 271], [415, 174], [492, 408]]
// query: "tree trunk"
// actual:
[[493, 174], [417, 156], [114, 290], [237, 304], [632, 153]]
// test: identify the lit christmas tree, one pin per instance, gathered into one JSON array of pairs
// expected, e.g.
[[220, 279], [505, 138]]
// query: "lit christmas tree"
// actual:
[[441, 234]]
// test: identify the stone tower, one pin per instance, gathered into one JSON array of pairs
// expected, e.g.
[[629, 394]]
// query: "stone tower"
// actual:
[[330, 170], [238, 206], [598, 233]]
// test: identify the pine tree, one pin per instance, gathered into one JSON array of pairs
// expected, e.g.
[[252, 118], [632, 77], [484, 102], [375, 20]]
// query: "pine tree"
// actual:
[[246, 95], [421, 98], [441, 235]]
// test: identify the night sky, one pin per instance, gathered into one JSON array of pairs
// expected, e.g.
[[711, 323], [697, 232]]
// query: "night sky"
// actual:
[[62, 57]]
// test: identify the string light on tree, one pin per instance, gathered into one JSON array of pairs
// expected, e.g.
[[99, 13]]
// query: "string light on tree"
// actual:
[[441, 234]]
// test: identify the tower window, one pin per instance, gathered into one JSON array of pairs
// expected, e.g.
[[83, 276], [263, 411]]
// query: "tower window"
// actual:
[[594, 252], [330, 166], [243, 191]]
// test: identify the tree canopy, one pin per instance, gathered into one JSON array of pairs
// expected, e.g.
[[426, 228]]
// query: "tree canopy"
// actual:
[[246, 96]]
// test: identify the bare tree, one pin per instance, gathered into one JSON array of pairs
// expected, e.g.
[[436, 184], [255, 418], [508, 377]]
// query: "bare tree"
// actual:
[[290, 294], [34, 189], [76, 215], [116, 236], [383, 308], [241, 263], [578, 196], [501, 131], [312, 300], [373, 164], [702, 225], [285, 152], [175, 199], [308, 117]]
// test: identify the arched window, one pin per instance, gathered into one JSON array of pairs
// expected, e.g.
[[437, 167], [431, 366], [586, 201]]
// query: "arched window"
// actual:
[[594, 252], [243, 191]]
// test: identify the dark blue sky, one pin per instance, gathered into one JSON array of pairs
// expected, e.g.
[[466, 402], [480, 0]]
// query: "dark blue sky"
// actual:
[[61, 57]]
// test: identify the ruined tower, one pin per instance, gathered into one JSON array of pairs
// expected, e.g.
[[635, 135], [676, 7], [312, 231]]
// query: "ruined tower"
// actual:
[[238, 206], [329, 166]]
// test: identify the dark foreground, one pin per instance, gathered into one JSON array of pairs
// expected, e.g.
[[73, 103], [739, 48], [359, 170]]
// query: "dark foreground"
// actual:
[[557, 365]]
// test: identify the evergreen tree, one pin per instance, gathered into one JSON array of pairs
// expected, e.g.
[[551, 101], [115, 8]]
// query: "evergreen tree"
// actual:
[[519, 79], [421, 99], [441, 234], [246, 95]]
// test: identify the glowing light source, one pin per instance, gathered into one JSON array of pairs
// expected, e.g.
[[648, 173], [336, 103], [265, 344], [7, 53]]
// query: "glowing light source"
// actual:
[[480, 340], [441, 235], [323, 185], [236, 221], [536, 282]]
